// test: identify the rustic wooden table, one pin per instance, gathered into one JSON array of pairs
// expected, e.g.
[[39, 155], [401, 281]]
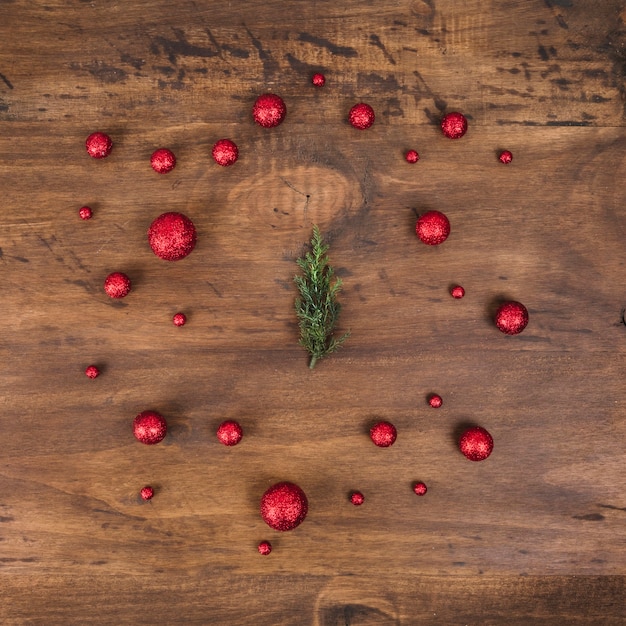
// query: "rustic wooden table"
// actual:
[[535, 534]]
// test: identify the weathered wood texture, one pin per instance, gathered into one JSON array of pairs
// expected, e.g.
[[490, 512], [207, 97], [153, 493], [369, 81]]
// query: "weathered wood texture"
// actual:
[[535, 534]]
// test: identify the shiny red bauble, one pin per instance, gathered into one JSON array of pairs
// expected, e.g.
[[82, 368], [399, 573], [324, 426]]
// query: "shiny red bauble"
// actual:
[[117, 285], [284, 506], [505, 157], [383, 434], [357, 498], [149, 427], [229, 433], [92, 371], [457, 292], [147, 493], [454, 125], [225, 152], [476, 443], [98, 145], [412, 156], [319, 80], [361, 116], [172, 236], [269, 110], [179, 319], [162, 161], [420, 489], [264, 548], [511, 317], [85, 213], [432, 227], [435, 401]]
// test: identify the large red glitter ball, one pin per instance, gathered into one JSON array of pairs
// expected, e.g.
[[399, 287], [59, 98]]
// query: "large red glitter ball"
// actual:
[[225, 152], [361, 116], [511, 317], [149, 427], [476, 443], [117, 285], [383, 434], [357, 498], [269, 110], [147, 493], [454, 125], [92, 371], [172, 236], [163, 161], [433, 228], [319, 80], [98, 145], [284, 506], [506, 156], [229, 433], [265, 547]]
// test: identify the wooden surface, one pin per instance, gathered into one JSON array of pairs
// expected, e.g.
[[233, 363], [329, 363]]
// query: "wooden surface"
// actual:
[[534, 535]]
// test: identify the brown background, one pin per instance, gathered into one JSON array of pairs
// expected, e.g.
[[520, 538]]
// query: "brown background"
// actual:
[[535, 534]]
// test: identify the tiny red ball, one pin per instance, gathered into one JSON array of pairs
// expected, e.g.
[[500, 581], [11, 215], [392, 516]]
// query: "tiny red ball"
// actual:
[[383, 434], [149, 427], [179, 319], [511, 317], [319, 80], [265, 547], [457, 292], [476, 443], [98, 145], [147, 493], [117, 285], [420, 489], [284, 506], [92, 371], [454, 125], [412, 156], [361, 116], [432, 227], [172, 236], [435, 401], [225, 152], [85, 213], [229, 433], [505, 156], [163, 161], [269, 110], [357, 498]]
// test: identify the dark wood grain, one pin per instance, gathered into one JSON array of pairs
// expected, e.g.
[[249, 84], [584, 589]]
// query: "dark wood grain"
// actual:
[[535, 534]]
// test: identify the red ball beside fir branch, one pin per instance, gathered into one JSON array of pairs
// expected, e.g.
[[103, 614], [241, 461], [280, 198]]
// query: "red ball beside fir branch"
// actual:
[[357, 498], [225, 152], [264, 548], [98, 145], [117, 285], [319, 80], [383, 434], [284, 506], [147, 493], [149, 427], [432, 227], [229, 433], [476, 443], [505, 157], [85, 213], [511, 317], [172, 236], [361, 116], [163, 161], [269, 110], [454, 125]]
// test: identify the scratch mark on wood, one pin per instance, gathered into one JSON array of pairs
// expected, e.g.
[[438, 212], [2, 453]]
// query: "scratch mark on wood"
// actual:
[[343, 51], [269, 64], [375, 41], [6, 81], [591, 517], [557, 15], [614, 508]]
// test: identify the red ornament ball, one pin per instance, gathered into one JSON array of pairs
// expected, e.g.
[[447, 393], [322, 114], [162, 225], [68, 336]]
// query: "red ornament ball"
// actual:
[[361, 116], [147, 493], [476, 443], [92, 371], [284, 506], [432, 227], [117, 285], [179, 319], [225, 152], [98, 145], [163, 161], [85, 213], [229, 433], [149, 427], [172, 236], [383, 434], [357, 498], [457, 292], [511, 317], [454, 125], [420, 489], [319, 80], [435, 401], [412, 156], [269, 110], [505, 157], [265, 547]]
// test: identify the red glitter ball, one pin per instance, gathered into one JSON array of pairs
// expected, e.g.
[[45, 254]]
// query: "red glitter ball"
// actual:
[[454, 125], [229, 433], [149, 427], [92, 372], [284, 506], [511, 317], [163, 161], [383, 434], [435, 401], [98, 145], [361, 116], [117, 285], [412, 156], [505, 156], [85, 213], [172, 236], [179, 319], [265, 547], [476, 443], [319, 80], [420, 489], [457, 292], [147, 493], [269, 110], [225, 152], [433, 228], [357, 498]]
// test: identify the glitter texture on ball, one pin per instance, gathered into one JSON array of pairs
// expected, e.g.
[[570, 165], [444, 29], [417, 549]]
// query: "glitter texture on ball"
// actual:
[[457, 292], [511, 317], [383, 434], [179, 319], [505, 157], [172, 236], [163, 161], [229, 433], [357, 498], [265, 547], [433, 228], [420, 489], [319, 80], [85, 213], [476, 443], [284, 506], [412, 156], [92, 371], [225, 152], [98, 145], [454, 125], [117, 285], [149, 427], [269, 110], [147, 493], [435, 401], [361, 116]]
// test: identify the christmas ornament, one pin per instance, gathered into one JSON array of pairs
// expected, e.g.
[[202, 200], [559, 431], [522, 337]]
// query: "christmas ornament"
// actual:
[[420, 489], [163, 161], [179, 319], [454, 125], [476, 443], [92, 371], [98, 145], [269, 110], [457, 292], [225, 152], [432, 227], [361, 116], [172, 236], [265, 547], [319, 80], [505, 157], [147, 493], [229, 433], [117, 285], [412, 156], [149, 427], [435, 401], [284, 506], [383, 434], [85, 213], [511, 317], [357, 498]]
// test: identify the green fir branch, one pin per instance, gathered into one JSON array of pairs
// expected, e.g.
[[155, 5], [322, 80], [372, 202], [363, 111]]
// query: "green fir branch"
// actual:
[[317, 307]]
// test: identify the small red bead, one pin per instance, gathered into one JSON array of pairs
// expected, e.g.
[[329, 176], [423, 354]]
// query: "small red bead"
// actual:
[[92, 372], [476, 443], [361, 116], [98, 145], [357, 498], [163, 161], [225, 152], [512, 317], [117, 285], [284, 506], [433, 228], [85, 213], [420, 489], [412, 156], [265, 547], [383, 434], [180, 319], [172, 236], [505, 156], [269, 110], [319, 80], [229, 433], [457, 292], [435, 401], [454, 125], [149, 427], [147, 493]]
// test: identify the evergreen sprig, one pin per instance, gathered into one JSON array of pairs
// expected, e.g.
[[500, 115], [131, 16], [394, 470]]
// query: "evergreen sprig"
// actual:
[[317, 307]]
